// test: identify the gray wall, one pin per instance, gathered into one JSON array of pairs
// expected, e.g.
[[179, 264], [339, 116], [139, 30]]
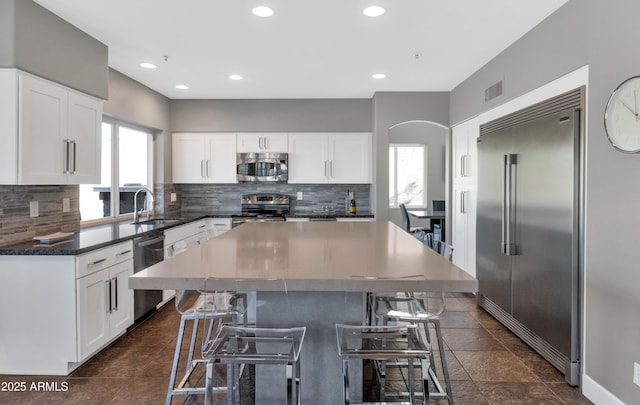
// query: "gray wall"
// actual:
[[392, 108], [318, 115], [37, 41], [135, 103], [600, 34]]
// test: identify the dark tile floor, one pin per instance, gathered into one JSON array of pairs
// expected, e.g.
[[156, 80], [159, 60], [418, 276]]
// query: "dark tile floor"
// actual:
[[487, 363]]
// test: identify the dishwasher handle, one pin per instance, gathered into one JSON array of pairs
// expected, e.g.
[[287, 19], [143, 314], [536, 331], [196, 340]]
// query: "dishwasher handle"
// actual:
[[147, 242]]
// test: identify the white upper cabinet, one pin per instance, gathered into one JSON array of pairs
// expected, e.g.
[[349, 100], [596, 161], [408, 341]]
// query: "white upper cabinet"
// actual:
[[204, 158], [262, 142], [316, 158], [56, 138], [464, 145]]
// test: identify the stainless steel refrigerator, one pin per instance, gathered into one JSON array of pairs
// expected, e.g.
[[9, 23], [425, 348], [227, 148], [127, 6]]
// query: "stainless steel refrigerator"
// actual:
[[529, 226]]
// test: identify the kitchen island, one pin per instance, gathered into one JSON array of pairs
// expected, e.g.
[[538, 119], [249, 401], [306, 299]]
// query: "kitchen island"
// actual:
[[312, 274]]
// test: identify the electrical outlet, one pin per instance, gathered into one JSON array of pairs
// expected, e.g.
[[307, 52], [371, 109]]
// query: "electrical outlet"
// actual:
[[174, 197], [299, 196], [66, 205], [636, 373], [33, 209]]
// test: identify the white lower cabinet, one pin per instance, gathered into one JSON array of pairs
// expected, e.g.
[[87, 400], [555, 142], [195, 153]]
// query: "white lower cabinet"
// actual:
[[105, 307], [104, 300], [57, 310]]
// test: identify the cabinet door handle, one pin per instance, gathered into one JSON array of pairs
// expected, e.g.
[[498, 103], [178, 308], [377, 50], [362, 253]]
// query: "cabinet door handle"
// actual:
[[202, 168], [463, 202], [331, 167], [108, 287], [207, 167], [265, 142], [72, 168], [66, 156], [260, 142], [115, 293]]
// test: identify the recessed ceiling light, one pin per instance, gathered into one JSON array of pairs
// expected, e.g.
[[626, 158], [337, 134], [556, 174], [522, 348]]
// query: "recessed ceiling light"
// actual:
[[373, 11], [148, 65], [378, 76], [182, 86], [262, 11], [235, 77]]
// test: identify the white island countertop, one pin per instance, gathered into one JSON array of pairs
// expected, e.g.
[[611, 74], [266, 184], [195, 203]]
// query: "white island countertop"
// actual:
[[309, 256]]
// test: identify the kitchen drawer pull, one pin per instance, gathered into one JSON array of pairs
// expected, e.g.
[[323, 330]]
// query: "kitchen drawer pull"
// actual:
[[202, 226], [123, 253], [97, 262]]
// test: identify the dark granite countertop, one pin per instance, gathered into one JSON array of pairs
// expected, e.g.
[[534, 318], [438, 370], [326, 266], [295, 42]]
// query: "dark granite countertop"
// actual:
[[99, 236]]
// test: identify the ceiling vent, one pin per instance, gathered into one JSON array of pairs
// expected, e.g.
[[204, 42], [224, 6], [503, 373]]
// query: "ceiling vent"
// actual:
[[493, 91]]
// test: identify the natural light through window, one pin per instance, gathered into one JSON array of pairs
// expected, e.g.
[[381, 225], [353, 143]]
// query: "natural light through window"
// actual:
[[127, 149], [407, 175]]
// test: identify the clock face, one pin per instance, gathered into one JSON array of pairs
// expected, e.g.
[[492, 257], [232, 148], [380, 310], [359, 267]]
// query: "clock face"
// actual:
[[622, 116]]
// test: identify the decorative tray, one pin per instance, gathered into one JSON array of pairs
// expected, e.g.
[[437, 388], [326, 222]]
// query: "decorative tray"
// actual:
[[53, 237]]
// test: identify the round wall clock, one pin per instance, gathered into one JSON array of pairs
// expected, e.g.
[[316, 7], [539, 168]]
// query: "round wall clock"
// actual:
[[622, 118]]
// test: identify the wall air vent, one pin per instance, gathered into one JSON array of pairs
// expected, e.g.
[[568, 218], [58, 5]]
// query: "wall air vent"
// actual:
[[493, 91]]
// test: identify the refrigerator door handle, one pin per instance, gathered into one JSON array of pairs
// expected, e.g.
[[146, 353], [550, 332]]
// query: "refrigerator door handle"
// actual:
[[508, 246]]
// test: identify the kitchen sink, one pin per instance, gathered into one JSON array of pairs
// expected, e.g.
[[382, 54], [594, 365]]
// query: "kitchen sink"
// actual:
[[158, 221]]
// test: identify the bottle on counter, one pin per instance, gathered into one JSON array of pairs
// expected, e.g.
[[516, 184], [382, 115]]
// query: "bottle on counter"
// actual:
[[352, 203]]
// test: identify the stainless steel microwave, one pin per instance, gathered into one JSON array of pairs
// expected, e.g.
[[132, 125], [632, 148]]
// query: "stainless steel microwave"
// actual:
[[262, 167]]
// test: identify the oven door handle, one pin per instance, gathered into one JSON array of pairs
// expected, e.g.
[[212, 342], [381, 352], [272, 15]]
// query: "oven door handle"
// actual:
[[150, 241]]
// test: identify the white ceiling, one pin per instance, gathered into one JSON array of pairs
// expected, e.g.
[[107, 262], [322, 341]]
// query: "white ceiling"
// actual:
[[308, 49]]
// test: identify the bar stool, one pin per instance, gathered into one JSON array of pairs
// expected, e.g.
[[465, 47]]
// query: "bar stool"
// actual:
[[239, 346], [195, 306], [384, 344], [422, 308]]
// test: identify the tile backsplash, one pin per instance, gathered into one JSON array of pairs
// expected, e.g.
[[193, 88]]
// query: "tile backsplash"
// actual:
[[16, 225], [203, 198]]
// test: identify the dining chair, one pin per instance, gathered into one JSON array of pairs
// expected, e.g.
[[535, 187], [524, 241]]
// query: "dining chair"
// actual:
[[438, 205], [406, 221]]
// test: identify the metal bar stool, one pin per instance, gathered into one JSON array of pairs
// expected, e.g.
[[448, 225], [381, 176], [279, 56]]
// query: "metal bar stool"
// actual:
[[195, 306], [418, 309], [384, 344], [239, 346]]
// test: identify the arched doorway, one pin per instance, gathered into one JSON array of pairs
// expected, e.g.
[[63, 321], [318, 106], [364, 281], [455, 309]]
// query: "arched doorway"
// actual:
[[434, 137]]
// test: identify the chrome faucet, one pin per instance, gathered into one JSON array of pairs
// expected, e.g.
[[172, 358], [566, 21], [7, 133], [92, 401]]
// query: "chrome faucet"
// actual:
[[136, 213]]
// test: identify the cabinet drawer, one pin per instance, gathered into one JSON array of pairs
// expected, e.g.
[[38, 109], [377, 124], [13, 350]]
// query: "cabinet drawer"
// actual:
[[177, 233], [102, 258]]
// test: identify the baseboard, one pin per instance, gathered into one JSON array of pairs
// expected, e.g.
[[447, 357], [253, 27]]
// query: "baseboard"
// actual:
[[597, 394]]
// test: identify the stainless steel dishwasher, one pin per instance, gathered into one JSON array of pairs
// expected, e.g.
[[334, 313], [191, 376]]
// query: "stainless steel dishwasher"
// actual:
[[147, 251]]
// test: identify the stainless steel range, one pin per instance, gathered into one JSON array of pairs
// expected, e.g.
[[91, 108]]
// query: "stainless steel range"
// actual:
[[262, 208]]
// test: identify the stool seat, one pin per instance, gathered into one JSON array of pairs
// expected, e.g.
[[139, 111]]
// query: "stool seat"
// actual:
[[238, 346], [385, 344]]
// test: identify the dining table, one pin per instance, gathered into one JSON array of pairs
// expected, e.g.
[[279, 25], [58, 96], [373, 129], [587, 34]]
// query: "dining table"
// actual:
[[435, 217], [312, 274]]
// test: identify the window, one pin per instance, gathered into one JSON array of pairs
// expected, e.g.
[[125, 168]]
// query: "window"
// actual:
[[126, 167], [407, 175]]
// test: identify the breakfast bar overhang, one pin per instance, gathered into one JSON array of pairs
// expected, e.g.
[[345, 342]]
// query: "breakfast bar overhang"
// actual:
[[312, 274]]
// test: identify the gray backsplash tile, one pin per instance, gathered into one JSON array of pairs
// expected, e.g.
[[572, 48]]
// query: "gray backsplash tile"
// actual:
[[17, 226], [203, 198]]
